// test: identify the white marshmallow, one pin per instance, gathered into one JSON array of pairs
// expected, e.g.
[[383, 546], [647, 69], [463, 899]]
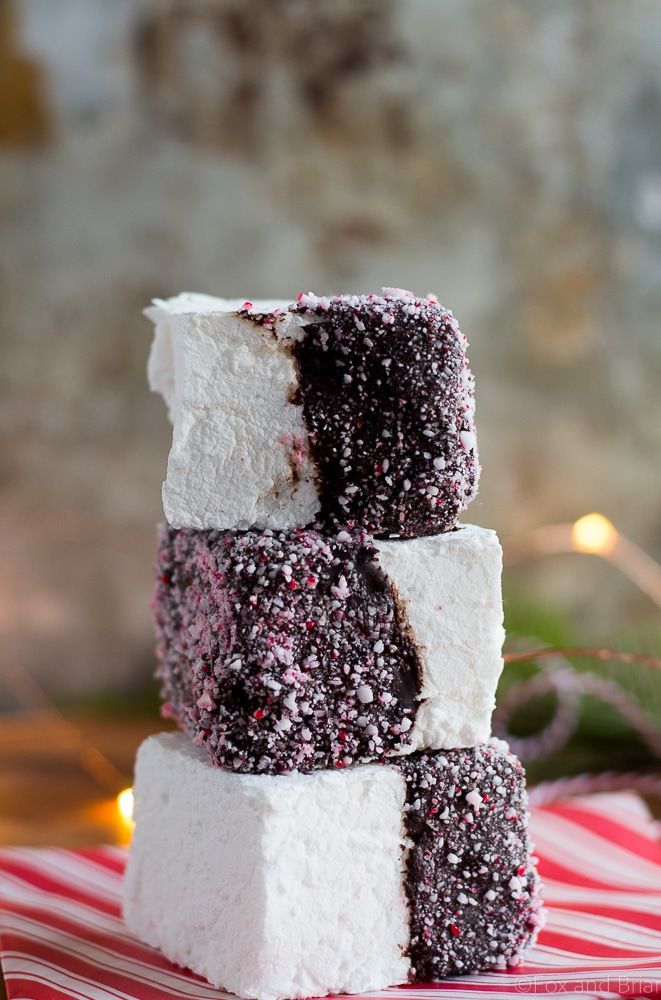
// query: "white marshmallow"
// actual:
[[271, 887], [239, 456], [450, 587]]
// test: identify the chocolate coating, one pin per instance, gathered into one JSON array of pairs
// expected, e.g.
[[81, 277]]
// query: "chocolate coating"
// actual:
[[388, 399], [389, 404], [472, 885], [282, 651]]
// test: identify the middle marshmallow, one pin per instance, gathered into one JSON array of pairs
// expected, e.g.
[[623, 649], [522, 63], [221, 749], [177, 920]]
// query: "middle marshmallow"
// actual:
[[282, 651]]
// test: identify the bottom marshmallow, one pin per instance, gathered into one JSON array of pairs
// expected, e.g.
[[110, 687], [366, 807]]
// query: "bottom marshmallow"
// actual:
[[332, 882]]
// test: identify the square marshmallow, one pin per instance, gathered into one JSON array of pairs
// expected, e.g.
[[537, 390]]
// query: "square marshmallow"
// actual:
[[351, 410], [297, 650], [332, 882]]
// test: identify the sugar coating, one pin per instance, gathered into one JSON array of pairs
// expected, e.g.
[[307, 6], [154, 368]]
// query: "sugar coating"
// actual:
[[300, 650], [344, 411], [332, 882]]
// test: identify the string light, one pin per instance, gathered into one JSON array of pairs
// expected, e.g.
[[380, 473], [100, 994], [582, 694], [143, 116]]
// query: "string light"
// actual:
[[594, 533], [125, 804]]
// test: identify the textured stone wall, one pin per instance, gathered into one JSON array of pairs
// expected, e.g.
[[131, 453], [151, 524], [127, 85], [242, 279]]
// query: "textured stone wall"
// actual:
[[505, 155]]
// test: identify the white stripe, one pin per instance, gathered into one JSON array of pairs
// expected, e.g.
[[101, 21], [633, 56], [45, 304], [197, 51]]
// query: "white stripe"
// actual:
[[18, 966], [606, 931], [65, 991], [85, 917], [107, 958], [646, 974], [114, 851], [556, 893], [586, 853], [549, 956], [628, 808], [84, 870], [95, 869], [15, 890], [508, 990], [638, 974], [70, 871], [504, 994]]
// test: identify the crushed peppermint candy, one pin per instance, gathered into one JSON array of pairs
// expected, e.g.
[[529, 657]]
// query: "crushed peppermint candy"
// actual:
[[474, 799], [473, 880], [283, 651], [388, 400]]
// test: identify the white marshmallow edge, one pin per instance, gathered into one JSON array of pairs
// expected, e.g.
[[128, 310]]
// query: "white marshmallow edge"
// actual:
[[240, 456], [449, 586]]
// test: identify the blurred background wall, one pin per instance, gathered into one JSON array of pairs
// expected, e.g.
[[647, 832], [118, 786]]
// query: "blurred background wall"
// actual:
[[506, 156]]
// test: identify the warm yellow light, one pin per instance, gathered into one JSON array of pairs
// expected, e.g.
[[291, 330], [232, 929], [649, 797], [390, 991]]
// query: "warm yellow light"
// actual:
[[594, 533], [125, 805]]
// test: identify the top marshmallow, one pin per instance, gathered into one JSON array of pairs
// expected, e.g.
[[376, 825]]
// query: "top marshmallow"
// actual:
[[350, 411]]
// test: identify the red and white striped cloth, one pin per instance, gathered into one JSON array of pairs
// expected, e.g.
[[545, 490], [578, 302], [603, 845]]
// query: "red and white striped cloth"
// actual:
[[61, 934]]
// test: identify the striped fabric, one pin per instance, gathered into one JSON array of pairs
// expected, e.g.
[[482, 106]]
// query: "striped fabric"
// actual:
[[61, 934]]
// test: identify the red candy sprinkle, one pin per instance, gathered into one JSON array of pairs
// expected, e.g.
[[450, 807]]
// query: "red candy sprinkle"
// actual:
[[258, 713], [455, 930]]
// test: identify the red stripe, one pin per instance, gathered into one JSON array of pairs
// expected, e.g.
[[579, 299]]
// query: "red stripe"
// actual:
[[106, 976], [31, 990], [555, 872], [600, 981], [613, 830], [613, 911], [562, 940], [52, 884], [124, 946], [103, 857]]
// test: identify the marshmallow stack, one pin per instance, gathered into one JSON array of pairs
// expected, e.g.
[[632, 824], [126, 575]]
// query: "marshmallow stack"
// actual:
[[334, 817]]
